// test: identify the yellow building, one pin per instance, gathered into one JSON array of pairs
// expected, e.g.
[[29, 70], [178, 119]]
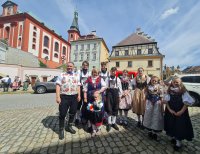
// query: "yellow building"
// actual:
[[137, 50]]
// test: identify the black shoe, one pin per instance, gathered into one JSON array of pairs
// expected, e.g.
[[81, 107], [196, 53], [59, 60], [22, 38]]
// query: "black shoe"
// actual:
[[89, 129], [173, 141], [141, 127], [138, 124], [70, 129], [61, 134], [115, 126], [108, 127], [150, 135], [155, 137], [176, 148]]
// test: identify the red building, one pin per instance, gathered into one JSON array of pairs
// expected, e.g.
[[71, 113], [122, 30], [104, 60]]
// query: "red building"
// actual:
[[23, 31]]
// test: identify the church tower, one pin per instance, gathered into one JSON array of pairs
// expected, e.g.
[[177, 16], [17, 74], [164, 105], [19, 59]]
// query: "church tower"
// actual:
[[73, 32], [9, 8]]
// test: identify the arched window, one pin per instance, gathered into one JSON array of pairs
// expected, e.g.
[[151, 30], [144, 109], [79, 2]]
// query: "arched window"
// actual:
[[7, 32], [20, 30], [33, 46], [34, 40], [45, 51], [64, 51], [46, 41], [34, 34], [34, 28], [55, 55], [56, 48], [19, 42], [71, 36]]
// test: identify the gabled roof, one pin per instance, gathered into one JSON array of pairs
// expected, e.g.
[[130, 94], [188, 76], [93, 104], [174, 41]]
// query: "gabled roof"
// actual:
[[8, 3], [135, 38]]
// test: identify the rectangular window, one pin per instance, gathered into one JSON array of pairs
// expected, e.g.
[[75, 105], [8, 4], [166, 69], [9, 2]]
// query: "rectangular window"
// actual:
[[82, 47], [126, 53], [75, 57], [87, 56], [88, 47], [81, 57], [150, 63], [129, 63], [94, 56], [116, 53], [117, 64], [95, 46], [76, 47], [139, 52], [150, 51]]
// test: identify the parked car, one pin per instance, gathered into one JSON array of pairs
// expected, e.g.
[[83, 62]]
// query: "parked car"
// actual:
[[192, 84], [43, 87], [131, 74]]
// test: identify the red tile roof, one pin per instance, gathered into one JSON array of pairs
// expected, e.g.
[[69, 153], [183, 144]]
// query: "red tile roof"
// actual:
[[135, 38]]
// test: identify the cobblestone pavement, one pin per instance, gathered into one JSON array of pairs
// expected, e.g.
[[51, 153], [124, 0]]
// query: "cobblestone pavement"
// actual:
[[34, 130]]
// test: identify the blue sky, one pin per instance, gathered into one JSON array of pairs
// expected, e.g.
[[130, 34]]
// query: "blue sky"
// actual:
[[174, 24]]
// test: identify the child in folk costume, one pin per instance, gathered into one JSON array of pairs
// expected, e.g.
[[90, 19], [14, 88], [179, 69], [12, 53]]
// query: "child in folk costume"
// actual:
[[125, 101], [139, 99], [153, 117], [177, 123], [113, 94], [92, 84], [96, 113]]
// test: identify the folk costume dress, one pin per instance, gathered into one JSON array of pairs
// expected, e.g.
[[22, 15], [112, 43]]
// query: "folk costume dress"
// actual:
[[139, 98], [125, 102], [179, 127], [153, 117], [91, 85], [96, 112]]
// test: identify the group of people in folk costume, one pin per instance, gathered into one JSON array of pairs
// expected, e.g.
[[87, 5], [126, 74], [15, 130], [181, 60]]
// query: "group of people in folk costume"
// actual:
[[94, 97]]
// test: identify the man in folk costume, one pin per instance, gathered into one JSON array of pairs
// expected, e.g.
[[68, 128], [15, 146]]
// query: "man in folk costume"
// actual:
[[113, 94], [84, 74], [67, 96]]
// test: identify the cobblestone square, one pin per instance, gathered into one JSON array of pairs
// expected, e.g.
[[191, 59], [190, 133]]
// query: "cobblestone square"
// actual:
[[33, 128]]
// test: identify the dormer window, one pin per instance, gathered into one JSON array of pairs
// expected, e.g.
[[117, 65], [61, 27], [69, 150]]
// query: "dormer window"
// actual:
[[116, 53]]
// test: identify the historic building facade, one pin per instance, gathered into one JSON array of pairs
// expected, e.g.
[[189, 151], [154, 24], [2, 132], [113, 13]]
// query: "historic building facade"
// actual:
[[86, 47], [137, 50], [23, 31]]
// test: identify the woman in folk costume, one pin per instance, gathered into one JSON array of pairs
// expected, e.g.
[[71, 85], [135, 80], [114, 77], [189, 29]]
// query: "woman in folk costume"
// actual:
[[96, 112], [125, 101], [153, 117], [113, 94], [177, 123], [92, 84], [139, 99]]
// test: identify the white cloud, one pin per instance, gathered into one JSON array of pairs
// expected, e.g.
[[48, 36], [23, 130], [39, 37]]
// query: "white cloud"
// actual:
[[169, 12]]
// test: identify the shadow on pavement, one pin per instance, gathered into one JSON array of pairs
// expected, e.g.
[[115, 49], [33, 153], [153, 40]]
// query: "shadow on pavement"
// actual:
[[130, 140]]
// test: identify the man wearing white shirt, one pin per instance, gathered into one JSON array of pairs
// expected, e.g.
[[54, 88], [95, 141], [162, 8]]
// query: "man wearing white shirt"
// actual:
[[6, 83], [67, 96]]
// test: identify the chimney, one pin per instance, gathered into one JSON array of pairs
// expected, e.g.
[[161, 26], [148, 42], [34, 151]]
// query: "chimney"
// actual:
[[138, 30], [93, 32]]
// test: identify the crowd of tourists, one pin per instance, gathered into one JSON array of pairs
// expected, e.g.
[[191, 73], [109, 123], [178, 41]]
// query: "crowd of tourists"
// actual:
[[95, 98]]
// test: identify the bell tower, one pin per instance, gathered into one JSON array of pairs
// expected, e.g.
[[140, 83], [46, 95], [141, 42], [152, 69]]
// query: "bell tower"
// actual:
[[9, 8], [73, 32]]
